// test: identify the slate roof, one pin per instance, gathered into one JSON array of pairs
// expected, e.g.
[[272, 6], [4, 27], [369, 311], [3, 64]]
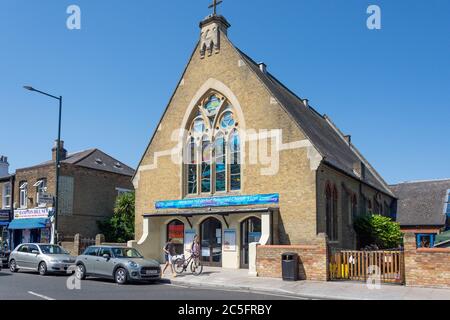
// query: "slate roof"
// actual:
[[88, 159], [320, 130], [421, 203]]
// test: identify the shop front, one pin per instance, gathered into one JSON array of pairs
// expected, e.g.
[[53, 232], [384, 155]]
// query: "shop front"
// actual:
[[4, 235], [226, 227], [30, 226]]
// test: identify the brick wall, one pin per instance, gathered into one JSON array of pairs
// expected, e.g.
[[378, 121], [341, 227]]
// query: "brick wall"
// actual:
[[312, 259], [426, 267]]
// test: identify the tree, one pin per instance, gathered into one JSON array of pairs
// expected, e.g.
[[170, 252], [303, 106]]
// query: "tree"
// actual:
[[120, 227], [374, 229]]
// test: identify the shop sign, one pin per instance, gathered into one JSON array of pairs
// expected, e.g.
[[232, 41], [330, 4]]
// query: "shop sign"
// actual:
[[219, 201], [229, 240], [4, 215], [32, 213]]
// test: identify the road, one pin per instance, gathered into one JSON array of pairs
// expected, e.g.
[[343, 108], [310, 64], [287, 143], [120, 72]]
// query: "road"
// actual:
[[31, 286]]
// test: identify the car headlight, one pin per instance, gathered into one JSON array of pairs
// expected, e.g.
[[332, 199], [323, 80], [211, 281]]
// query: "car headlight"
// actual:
[[133, 264]]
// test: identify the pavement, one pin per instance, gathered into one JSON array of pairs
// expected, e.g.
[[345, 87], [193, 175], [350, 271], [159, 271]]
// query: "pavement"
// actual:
[[341, 290], [32, 286]]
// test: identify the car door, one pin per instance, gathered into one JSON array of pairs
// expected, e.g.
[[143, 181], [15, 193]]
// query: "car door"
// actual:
[[105, 266], [89, 258], [19, 255], [33, 256]]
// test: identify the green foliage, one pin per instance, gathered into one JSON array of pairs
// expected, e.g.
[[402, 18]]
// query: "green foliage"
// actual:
[[374, 229], [120, 227]]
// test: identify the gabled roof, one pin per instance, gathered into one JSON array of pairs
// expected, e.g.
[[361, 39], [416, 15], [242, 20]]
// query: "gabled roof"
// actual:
[[421, 203], [89, 159], [320, 130]]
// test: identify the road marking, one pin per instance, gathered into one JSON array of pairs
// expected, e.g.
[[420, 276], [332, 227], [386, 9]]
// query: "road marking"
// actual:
[[40, 295]]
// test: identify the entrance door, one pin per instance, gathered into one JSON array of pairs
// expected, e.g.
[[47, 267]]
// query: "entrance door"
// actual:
[[211, 242], [250, 232]]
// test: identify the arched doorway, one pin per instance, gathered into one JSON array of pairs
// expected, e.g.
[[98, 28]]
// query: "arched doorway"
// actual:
[[250, 232], [175, 231], [211, 242]]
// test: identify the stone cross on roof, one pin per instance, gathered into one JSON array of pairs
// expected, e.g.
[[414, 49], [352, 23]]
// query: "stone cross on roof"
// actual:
[[214, 6]]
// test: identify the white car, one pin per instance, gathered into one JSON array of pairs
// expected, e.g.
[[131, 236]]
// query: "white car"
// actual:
[[43, 258]]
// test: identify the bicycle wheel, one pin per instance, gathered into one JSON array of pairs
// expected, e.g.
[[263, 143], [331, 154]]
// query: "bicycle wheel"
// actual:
[[178, 265], [196, 267]]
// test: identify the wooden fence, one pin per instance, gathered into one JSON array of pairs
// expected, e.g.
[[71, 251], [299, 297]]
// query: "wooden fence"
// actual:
[[389, 266]]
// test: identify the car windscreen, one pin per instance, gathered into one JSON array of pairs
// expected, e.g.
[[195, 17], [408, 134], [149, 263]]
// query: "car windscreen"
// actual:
[[51, 249], [126, 253]]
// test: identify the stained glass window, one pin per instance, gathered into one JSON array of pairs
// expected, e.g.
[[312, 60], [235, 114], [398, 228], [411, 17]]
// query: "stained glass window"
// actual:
[[227, 120], [235, 161], [220, 163], [191, 164], [206, 165], [199, 125], [212, 105]]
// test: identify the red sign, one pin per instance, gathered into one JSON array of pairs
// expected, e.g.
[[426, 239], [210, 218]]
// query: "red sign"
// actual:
[[176, 233]]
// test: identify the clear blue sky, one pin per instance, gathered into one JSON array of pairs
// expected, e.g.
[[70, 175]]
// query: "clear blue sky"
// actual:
[[390, 89]]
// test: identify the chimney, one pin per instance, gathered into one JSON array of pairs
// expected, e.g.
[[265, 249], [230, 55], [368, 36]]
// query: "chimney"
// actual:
[[348, 138], [62, 151], [359, 168], [4, 166], [262, 67], [306, 102]]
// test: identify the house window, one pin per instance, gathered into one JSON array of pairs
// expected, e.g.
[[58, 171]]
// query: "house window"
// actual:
[[6, 195], [425, 240], [41, 188], [23, 194], [354, 209], [121, 191], [212, 153], [447, 209], [331, 205]]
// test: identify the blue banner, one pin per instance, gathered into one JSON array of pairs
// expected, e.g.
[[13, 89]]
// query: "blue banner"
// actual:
[[219, 201]]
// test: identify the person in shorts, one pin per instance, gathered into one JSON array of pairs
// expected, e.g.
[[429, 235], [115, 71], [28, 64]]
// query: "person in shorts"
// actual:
[[169, 253]]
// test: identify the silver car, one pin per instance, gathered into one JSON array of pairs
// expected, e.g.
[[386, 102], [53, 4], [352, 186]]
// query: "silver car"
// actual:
[[119, 263], [44, 258]]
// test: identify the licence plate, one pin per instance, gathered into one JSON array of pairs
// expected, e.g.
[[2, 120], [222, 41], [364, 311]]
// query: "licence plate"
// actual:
[[151, 272]]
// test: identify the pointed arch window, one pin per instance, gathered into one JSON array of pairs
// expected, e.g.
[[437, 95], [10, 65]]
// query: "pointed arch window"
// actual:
[[220, 163], [206, 165], [235, 161], [331, 205], [213, 151]]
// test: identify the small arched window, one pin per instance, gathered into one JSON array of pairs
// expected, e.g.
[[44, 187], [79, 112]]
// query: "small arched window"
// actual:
[[331, 197]]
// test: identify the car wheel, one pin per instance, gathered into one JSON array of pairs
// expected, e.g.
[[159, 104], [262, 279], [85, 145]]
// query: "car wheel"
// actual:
[[13, 266], [121, 276], [42, 268], [80, 272]]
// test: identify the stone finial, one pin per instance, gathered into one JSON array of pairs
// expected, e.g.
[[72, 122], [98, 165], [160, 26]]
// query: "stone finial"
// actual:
[[211, 29]]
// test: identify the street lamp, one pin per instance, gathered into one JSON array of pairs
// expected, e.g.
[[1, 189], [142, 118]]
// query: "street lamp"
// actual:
[[58, 164]]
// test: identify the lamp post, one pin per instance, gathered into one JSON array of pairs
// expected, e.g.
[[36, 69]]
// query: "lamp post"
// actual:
[[58, 164]]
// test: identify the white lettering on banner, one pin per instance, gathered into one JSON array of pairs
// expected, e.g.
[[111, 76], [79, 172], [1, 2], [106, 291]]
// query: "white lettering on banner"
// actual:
[[32, 213]]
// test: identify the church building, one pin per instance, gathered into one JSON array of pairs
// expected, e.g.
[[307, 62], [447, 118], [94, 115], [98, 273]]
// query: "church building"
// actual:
[[238, 158]]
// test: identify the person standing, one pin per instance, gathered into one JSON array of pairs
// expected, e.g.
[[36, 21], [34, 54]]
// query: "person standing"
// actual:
[[169, 253]]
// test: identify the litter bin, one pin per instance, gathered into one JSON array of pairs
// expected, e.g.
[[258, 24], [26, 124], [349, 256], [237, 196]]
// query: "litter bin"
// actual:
[[289, 266]]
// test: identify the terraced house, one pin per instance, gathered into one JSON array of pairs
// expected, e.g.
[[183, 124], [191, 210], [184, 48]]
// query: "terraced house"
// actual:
[[239, 158], [90, 182]]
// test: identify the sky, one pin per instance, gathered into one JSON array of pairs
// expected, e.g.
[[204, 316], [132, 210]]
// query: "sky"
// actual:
[[388, 88]]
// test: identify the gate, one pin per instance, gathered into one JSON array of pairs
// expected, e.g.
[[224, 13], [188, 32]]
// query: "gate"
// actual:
[[388, 266], [84, 243]]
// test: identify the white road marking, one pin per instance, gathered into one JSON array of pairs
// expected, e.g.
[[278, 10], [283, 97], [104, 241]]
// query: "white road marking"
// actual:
[[40, 295]]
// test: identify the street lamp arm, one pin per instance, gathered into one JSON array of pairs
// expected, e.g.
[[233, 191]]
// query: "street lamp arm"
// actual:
[[42, 92]]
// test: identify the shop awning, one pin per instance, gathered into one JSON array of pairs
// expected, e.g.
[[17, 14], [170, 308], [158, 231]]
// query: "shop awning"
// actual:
[[37, 223]]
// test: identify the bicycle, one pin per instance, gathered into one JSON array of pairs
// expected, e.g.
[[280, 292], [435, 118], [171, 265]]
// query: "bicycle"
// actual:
[[181, 265]]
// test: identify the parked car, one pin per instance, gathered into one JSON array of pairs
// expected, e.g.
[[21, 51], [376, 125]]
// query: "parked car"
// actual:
[[119, 263], [4, 256], [44, 258]]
